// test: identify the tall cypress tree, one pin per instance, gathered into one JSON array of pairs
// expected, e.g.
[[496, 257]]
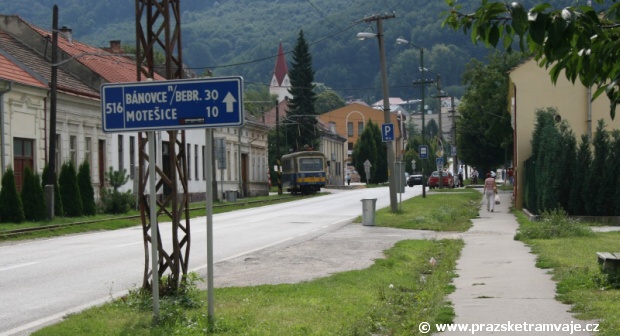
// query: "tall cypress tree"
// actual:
[[365, 149], [381, 167], [597, 188], [302, 129], [69, 191], [87, 193], [32, 196], [578, 198], [11, 208]]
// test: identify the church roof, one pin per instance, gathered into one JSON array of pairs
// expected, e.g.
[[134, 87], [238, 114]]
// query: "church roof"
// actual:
[[281, 69]]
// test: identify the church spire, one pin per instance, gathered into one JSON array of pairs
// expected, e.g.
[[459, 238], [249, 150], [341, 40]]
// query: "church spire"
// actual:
[[280, 69], [280, 83]]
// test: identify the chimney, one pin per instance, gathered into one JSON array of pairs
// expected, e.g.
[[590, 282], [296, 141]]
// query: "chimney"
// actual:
[[115, 47], [66, 33]]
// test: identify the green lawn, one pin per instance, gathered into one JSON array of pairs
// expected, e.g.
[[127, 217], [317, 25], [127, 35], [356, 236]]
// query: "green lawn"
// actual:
[[580, 281]]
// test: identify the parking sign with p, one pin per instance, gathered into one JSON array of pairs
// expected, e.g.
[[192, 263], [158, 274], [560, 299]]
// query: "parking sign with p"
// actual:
[[387, 132]]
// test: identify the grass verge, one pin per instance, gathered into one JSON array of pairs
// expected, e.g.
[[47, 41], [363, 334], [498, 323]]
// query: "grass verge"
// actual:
[[389, 298], [439, 211], [572, 261]]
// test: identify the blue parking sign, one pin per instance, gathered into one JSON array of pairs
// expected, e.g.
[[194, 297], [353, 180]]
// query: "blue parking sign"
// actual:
[[423, 151], [387, 132]]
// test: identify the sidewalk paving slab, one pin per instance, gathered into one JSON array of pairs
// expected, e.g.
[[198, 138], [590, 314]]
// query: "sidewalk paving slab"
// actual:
[[498, 281]]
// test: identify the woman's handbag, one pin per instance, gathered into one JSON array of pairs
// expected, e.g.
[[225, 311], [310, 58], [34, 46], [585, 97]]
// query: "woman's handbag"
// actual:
[[496, 199]]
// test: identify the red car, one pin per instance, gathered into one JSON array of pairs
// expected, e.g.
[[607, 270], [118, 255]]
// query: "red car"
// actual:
[[446, 177]]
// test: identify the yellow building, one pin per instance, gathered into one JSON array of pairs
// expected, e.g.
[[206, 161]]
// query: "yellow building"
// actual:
[[350, 120], [531, 89]]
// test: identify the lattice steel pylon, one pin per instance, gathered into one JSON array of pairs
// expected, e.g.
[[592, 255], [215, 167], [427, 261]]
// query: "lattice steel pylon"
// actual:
[[158, 27]]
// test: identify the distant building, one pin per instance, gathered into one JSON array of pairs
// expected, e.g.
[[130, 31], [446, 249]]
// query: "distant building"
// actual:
[[351, 120]]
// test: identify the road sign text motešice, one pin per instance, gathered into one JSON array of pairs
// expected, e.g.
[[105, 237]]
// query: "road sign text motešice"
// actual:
[[172, 104]]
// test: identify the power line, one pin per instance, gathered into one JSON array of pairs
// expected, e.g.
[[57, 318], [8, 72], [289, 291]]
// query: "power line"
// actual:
[[274, 56]]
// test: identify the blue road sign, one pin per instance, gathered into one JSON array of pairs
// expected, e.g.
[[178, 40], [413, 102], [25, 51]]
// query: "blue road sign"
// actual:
[[423, 151], [172, 104], [387, 132], [439, 161]]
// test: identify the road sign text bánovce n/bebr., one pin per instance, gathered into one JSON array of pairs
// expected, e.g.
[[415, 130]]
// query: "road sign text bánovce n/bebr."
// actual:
[[172, 104]]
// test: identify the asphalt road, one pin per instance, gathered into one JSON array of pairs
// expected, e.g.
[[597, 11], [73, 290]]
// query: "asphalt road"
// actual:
[[43, 280]]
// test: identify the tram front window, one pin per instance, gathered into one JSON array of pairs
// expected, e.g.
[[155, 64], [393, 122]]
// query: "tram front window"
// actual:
[[310, 164]]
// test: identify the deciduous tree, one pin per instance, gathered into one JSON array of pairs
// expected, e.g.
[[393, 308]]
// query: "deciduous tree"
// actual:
[[484, 133], [575, 39]]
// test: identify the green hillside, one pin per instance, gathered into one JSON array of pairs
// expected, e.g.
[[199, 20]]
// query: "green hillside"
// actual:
[[241, 37]]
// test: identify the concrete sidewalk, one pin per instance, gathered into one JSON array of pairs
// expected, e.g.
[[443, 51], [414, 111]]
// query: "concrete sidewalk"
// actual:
[[498, 281]]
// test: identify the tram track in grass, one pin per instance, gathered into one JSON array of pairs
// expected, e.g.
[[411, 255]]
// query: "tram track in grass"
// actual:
[[223, 207]]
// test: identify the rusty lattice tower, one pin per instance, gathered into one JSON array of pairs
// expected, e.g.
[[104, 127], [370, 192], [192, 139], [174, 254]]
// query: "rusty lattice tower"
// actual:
[[158, 28]]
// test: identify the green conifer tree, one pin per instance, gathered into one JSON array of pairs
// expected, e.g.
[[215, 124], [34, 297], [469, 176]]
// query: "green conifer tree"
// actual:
[[365, 149], [597, 188], [32, 197], [303, 127], [87, 193], [381, 166], [582, 167], [12, 210], [69, 191]]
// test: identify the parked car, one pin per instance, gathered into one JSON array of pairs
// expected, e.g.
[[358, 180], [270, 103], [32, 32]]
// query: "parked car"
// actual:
[[446, 177], [414, 179]]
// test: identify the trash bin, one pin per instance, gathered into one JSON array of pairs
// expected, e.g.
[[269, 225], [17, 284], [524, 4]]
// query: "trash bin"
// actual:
[[231, 195], [368, 211]]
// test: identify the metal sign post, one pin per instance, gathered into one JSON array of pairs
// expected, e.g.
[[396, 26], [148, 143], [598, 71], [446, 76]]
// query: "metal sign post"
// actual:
[[423, 152], [154, 227]]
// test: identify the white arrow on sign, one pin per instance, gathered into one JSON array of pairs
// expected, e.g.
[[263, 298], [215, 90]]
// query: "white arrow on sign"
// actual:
[[230, 102]]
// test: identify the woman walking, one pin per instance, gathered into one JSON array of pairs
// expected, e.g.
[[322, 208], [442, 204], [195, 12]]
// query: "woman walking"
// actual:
[[489, 191]]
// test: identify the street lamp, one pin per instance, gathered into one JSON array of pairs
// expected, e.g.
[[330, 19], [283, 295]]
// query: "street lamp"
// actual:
[[386, 105], [422, 82]]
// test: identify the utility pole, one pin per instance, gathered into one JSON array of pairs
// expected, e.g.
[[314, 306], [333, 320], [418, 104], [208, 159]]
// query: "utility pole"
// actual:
[[278, 169], [386, 105], [454, 157], [422, 82], [51, 172]]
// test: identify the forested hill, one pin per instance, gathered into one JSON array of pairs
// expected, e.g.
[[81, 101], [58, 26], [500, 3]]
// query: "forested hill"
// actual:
[[241, 37]]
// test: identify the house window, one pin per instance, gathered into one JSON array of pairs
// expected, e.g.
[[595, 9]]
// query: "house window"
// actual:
[[121, 164], [360, 127], [132, 156], [228, 165], [73, 150], [350, 146], [88, 152], [350, 129], [189, 161], [332, 127], [204, 162], [22, 157], [196, 162]]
